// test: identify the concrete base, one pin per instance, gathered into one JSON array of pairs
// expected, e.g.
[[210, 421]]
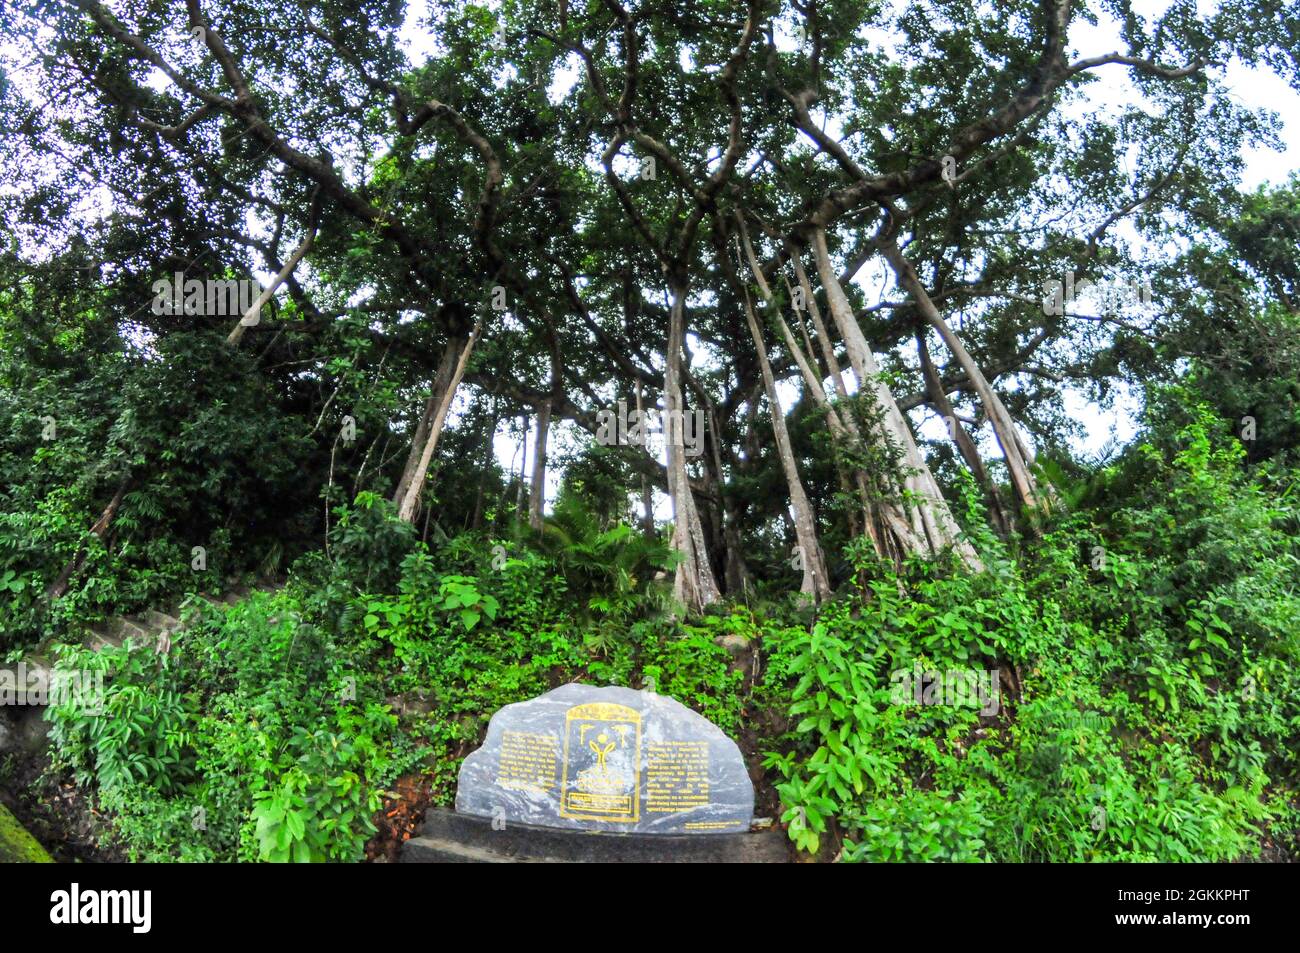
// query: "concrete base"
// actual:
[[448, 837]]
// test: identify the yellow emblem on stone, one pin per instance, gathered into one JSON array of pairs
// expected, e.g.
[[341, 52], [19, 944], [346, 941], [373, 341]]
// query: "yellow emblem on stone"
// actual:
[[601, 770]]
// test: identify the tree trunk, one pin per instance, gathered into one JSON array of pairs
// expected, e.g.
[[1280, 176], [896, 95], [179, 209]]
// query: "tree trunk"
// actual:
[[844, 432], [60, 585], [537, 499], [523, 472], [237, 333], [815, 313], [441, 378], [647, 497], [736, 575], [411, 501], [1022, 480], [965, 445], [928, 522], [693, 582], [815, 580], [873, 520]]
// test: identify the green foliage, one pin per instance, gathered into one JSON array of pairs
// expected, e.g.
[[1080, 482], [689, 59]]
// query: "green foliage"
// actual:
[[920, 827], [249, 725], [320, 808], [140, 734], [611, 569], [1159, 703]]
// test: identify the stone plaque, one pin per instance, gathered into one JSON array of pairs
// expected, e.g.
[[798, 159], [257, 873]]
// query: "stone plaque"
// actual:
[[607, 759]]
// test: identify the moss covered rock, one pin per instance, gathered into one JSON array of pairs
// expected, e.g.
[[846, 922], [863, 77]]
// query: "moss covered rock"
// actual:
[[16, 845]]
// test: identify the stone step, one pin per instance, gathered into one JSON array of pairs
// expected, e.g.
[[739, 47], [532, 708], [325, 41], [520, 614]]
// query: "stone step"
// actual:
[[437, 850], [113, 632], [142, 635], [160, 621], [232, 595], [30, 674], [448, 837], [212, 599], [96, 642], [120, 628]]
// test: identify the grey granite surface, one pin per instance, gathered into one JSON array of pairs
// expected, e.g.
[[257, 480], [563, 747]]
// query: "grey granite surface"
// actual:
[[607, 759]]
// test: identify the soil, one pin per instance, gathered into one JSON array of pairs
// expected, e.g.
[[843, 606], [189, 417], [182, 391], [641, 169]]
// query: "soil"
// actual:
[[55, 812], [399, 818]]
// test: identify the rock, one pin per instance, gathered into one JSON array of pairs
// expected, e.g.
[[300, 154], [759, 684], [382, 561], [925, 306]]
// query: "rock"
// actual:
[[739, 648], [160, 621], [17, 846], [607, 759], [25, 682], [742, 652], [95, 642], [33, 731], [111, 633], [411, 703], [735, 644]]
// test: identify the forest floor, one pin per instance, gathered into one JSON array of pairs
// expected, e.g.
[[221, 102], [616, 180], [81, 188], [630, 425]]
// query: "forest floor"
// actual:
[[55, 811]]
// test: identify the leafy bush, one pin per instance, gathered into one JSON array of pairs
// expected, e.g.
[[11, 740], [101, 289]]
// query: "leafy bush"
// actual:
[[1158, 643]]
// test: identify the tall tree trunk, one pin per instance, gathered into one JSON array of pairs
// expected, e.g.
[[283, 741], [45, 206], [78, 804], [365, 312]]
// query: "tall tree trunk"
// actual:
[[873, 519], [523, 472], [736, 576], [537, 499], [693, 582], [410, 502], [844, 431], [647, 497], [965, 445], [929, 522], [441, 378], [815, 580], [1022, 479]]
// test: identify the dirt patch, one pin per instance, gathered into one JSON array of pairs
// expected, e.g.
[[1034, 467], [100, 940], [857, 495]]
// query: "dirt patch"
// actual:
[[56, 812], [399, 818]]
